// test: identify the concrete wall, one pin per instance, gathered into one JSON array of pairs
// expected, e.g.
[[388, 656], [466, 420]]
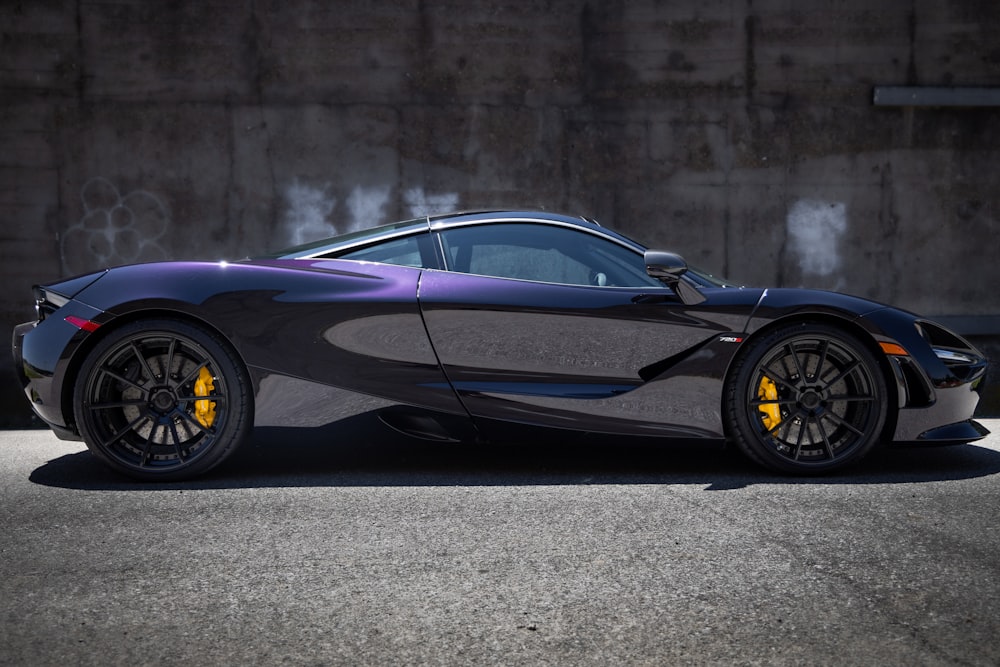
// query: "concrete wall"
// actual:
[[739, 133]]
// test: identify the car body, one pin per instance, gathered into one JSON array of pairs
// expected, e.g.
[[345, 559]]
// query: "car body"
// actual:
[[450, 327]]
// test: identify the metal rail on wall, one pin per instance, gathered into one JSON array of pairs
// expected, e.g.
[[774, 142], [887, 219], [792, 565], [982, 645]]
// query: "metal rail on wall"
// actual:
[[935, 96]]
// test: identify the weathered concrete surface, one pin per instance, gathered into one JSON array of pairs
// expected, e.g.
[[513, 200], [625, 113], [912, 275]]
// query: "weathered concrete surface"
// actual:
[[740, 134]]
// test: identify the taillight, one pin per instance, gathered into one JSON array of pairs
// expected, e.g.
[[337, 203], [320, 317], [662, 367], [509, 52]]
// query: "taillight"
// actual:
[[86, 325]]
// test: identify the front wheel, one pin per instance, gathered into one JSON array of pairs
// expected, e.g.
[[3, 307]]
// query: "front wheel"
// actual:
[[806, 399], [162, 399]]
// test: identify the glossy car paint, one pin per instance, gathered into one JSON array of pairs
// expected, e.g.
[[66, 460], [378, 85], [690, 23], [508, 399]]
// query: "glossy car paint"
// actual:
[[324, 339], [313, 321], [942, 415], [605, 360]]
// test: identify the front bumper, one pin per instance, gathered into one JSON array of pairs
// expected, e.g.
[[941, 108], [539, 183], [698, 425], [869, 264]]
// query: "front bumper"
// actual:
[[938, 396], [952, 434]]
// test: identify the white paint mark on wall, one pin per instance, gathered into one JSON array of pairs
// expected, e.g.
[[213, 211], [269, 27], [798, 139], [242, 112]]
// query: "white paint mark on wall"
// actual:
[[307, 213], [309, 209], [421, 203], [366, 206], [814, 231], [115, 229]]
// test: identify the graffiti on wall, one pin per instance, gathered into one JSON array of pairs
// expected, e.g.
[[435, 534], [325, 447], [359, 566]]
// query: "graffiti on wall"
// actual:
[[115, 229], [307, 211], [125, 229], [366, 207], [815, 228], [311, 211], [421, 203]]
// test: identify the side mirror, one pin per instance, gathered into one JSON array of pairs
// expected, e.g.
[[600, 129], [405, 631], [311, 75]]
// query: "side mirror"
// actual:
[[669, 267], [665, 265]]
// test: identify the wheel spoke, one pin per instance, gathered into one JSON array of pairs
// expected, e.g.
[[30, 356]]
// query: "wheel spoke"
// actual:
[[850, 399], [193, 374], [798, 366], [826, 440], [148, 447], [776, 434], [170, 360], [769, 372], [804, 425], [760, 401], [822, 358], [121, 378], [109, 405], [218, 398], [194, 422], [177, 442], [844, 373], [121, 433], [842, 422], [142, 361]]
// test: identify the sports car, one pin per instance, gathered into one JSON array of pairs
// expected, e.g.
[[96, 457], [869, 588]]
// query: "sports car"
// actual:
[[455, 327]]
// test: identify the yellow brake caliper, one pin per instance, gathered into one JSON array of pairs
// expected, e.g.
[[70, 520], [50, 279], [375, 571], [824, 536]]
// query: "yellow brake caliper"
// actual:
[[204, 411], [768, 391]]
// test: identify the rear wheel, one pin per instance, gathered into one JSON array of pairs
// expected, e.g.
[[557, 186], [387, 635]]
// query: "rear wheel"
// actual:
[[162, 399], [805, 399]]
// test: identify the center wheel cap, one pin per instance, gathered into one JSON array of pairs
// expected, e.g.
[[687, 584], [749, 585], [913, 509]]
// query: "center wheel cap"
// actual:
[[810, 400], [163, 401]]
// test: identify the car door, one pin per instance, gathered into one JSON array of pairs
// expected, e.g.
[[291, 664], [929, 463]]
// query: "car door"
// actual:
[[556, 326], [305, 326]]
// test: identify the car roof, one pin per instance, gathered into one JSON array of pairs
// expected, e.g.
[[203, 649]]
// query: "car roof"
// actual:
[[441, 222], [506, 215]]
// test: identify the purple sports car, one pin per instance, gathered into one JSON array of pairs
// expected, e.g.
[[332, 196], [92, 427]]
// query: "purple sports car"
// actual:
[[450, 327]]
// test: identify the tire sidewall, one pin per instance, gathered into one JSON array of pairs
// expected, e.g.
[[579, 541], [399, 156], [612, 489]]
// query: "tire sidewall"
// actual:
[[738, 420], [238, 417]]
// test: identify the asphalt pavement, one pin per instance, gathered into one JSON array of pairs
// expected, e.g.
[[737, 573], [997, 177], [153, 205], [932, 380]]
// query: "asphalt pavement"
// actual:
[[372, 549]]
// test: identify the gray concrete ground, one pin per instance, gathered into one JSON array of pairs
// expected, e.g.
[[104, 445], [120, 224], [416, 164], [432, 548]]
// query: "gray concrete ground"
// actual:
[[379, 550]]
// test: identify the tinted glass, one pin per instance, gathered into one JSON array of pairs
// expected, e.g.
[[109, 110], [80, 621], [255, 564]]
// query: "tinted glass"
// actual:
[[404, 252], [544, 253]]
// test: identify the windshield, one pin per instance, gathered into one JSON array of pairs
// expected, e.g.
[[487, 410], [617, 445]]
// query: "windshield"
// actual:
[[697, 275], [706, 279]]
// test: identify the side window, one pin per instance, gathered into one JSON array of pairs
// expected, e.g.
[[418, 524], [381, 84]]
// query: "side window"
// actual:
[[415, 251], [544, 253]]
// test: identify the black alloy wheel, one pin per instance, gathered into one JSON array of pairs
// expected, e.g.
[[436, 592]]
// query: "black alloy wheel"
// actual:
[[806, 399], [162, 400]]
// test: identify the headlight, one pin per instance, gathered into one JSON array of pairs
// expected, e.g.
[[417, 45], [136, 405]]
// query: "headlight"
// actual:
[[961, 359], [952, 357]]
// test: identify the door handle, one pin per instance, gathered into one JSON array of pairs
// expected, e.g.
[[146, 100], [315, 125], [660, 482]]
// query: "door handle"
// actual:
[[650, 298]]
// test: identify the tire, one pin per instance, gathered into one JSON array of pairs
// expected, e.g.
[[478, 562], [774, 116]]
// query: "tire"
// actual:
[[806, 399], [162, 400]]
